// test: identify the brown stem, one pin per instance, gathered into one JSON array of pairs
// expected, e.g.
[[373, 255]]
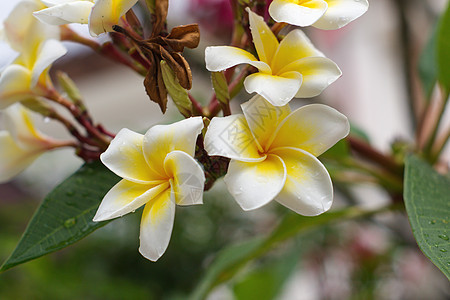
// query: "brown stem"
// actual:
[[107, 49], [367, 151], [197, 107], [82, 118]]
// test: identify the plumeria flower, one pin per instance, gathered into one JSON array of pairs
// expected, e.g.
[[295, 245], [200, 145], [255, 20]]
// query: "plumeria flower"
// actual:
[[101, 15], [21, 143], [323, 14], [38, 45], [158, 171], [273, 154], [291, 68]]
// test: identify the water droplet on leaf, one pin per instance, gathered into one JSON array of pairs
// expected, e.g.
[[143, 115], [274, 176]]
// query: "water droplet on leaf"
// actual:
[[444, 237], [70, 223]]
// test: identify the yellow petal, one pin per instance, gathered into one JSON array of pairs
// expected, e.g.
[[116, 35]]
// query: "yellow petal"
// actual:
[[14, 159], [19, 122], [125, 158], [294, 46], [313, 128], [254, 184], [187, 178], [318, 73], [263, 118], [303, 13], [156, 225], [25, 33], [15, 83], [308, 189], [126, 197], [106, 13], [266, 43], [48, 52], [231, 137], [160, 140], [278, 90]]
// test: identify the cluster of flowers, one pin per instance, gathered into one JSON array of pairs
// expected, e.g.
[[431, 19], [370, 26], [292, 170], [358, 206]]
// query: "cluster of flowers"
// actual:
[[272, 149]]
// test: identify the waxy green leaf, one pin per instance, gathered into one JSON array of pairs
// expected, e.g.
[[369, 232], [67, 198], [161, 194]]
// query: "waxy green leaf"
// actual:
[[178, 94], [220, 87], [427, 201], [65, 215]]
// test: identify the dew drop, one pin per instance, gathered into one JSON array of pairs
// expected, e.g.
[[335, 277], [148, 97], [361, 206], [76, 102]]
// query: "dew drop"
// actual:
[[444, 237], [443, 250], [46, 120], [70, 223], [432, 222]]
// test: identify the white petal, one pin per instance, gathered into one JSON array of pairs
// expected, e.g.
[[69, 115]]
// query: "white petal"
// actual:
[[313, 128], [318, 73], [263, 118], [265, 41], [24, 32], [19, 122], [126, 197], [160, 140], [308, 189], [223, 57], [125, 158], [254, 184], [49, 51], [156, 225], [231, 137], [106, 13], [14, 159], [50, 3], [297, 14], [188, 178], [66, 13], [15, 82], [341, 12], [275, 89], [294, 46]]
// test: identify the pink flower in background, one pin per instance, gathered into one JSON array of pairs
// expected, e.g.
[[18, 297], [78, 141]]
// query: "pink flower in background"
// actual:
[[214, 16]]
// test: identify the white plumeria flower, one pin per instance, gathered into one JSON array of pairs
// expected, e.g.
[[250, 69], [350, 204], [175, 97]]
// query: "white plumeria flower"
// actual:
[[158, 170], [291, 68], [273, 154], [101, 15], [38, 45], [323, 14], [21, 143]]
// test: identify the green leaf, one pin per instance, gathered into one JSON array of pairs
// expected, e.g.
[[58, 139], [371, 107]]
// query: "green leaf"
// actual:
[[266, 281], [220, 87], [232, 259], [178, 94], [427, 201], [340, 150], [359, 132], [443, 50], [427, 64], [65, 215]]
